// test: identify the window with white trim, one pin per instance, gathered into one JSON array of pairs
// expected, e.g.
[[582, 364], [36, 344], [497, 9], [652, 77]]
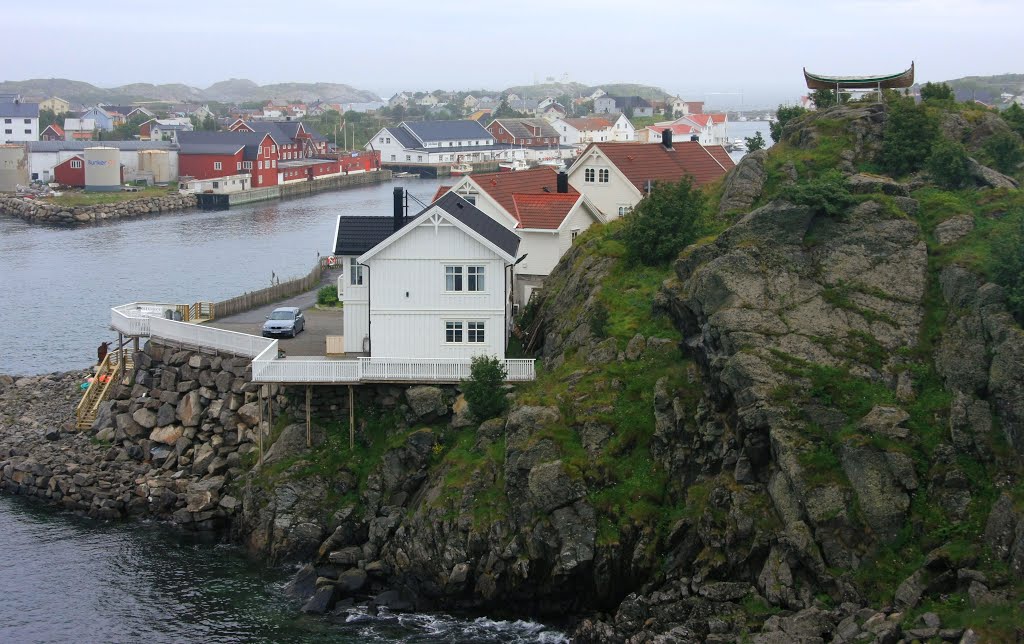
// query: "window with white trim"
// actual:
[[475, 278], [355, 272], [475, 332], [76, 164], [247, 165], [238, 165], [625, 210], [588, 175], [453, 278], [602, 175], [453, 332], [217, 165], [575, 232], [259, 165]]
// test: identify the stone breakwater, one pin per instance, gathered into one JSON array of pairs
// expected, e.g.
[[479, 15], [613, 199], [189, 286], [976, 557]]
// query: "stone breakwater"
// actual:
[[168, 446], [41, 212]]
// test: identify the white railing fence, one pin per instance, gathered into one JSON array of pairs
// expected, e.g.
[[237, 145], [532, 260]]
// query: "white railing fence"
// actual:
[[148, 319]]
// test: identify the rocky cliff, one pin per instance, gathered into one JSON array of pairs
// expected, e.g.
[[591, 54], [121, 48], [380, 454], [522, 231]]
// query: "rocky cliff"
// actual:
[[809, 427]]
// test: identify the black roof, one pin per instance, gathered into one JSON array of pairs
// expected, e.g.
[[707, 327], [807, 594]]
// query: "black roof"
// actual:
[[358, 234], [477, 221]]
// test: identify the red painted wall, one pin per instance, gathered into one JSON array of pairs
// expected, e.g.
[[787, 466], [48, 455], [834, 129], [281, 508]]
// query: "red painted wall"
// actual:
[[201, 166], [65, 175]]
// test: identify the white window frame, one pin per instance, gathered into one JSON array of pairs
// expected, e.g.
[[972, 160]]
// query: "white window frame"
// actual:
[[76, 164], [476, 275], [480, 330], [355, 273], [589, 175], [603, 175], [217, 165], [454, 278], [457, 329]]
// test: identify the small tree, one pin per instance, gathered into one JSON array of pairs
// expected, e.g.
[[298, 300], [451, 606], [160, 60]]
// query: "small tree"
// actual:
[[823, 98], [1007, 267], [910, 132], [664, 222], [484, 390], [948, 164], [782, 116], [756, 142], [1006, 152], [937, 92], [827, 194], [1014, 117]]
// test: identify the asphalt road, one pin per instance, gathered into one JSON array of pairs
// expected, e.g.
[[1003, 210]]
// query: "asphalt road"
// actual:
[[319, 324]]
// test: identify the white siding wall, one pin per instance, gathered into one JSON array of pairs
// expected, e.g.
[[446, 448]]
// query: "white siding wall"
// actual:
[[356, 322], [543, 251], [580, 219], [410, 304], [606, 196]]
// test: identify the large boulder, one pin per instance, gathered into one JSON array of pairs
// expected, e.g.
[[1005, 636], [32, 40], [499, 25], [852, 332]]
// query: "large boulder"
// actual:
[[167, 435], [190, 410], [744, 184], [292, 442], [426, 401], [552, 487]]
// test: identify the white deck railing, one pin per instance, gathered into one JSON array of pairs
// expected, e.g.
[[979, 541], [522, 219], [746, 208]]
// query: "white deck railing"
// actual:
[[147, 319]]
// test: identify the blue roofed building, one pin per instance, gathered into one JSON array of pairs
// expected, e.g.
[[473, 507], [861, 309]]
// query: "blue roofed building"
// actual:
[[18, 121]]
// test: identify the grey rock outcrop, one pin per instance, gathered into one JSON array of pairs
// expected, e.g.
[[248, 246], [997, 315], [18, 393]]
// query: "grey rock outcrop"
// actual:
[[744, 184]]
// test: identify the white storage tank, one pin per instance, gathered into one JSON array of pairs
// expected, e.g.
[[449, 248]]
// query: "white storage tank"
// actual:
[[13, 167], [157, 163], [102, 169]]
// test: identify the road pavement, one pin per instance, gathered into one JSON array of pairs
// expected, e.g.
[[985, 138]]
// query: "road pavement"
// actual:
[[312, 341]]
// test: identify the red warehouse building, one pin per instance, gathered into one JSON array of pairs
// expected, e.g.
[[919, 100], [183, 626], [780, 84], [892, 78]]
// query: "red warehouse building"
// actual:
[[209, 155]]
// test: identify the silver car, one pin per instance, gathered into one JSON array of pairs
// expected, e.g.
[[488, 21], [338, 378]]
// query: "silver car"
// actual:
[[287, 321]]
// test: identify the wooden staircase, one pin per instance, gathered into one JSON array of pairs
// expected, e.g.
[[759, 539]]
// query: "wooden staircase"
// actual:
[[107, 374]]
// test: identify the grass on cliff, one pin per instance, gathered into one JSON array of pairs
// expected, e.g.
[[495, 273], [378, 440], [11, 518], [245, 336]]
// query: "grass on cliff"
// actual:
[[72, 199]]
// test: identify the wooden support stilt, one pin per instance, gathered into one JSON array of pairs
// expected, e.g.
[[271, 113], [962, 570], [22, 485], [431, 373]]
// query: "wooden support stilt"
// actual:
[[120, 355], [351, 418], [259, 428], [270, 407], [135, 344], [309, 428]]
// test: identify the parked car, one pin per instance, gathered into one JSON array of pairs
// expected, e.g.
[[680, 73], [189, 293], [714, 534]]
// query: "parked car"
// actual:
[[287, 321]]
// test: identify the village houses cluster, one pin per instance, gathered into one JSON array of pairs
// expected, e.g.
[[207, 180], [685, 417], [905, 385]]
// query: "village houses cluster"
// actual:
[[442, 284]]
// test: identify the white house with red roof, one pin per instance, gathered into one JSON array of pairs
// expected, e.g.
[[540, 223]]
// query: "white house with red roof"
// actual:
[[623, 130], [582, 131], [541, 207], [616, 176], [714, 128], [653, 133]]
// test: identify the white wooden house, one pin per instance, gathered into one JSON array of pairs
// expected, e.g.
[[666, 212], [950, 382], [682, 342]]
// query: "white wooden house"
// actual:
[[435, 289], [616, 176], [541, 207]]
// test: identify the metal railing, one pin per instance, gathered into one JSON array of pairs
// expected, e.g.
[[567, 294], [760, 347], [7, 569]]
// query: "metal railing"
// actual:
[[134, 319]]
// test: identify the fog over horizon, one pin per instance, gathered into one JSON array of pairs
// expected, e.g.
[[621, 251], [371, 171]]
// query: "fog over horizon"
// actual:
[[733, 54]]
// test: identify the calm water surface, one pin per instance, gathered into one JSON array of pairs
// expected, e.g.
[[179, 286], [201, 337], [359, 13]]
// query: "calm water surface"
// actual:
[[57, 284], [68, 580]]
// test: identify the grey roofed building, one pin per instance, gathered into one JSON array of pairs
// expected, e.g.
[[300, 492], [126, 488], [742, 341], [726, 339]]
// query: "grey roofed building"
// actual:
[[357, 234], [8, 97], [190, 142], [437, 131], [522, 128], [477, 221], [77, 146], [19, 110]]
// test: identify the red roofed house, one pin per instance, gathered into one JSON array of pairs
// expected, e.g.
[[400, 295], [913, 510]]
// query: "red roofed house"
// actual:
[[53, 132], [541, 207], [652, 133], [583, 131], [616, 176], [714, 127]]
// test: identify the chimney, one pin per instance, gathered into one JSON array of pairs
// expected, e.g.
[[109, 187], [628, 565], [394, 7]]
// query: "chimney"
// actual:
[[563, 182], [399, 214], [666, 138]]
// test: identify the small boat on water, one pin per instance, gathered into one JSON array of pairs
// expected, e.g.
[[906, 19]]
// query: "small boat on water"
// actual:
[[737, 145], [557, 164], [515, 165], [460, 169]]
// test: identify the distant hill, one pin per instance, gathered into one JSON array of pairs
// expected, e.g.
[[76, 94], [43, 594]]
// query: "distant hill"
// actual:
[[233, 90], [987, 88], [578, 89]]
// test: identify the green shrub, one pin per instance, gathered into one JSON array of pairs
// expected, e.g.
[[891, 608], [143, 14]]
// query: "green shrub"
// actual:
[[827, 194], [1014, 117], [327, 296], [1006, 152], [783, 115], [756, 142], [599, 321], [667, 220], [948, 165], [1007, 268], [485, 388], [936, 92], [910, 132]]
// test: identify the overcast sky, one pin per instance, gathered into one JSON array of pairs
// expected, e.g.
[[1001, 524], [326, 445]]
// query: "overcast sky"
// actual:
[[702, 50]]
